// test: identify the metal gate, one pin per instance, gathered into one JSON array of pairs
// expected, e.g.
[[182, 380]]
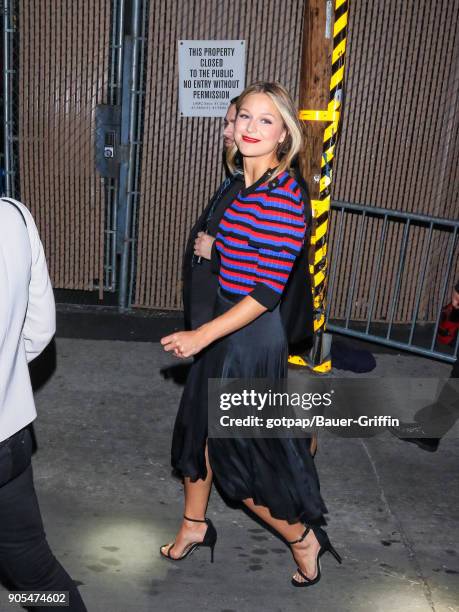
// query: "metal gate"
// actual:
[[57, 67]]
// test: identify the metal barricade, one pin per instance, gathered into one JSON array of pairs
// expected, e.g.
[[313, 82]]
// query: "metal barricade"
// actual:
[[379, 281]]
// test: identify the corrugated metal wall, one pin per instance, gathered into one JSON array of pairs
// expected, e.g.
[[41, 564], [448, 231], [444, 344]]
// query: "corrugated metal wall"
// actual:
[[399, 146], [63, 72], [182, 158]]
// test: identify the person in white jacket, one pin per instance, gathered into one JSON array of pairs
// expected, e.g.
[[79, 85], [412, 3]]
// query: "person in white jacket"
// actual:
[[27, 324]]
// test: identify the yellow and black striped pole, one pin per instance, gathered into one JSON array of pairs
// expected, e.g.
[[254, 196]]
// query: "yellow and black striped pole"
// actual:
[[320, 360]]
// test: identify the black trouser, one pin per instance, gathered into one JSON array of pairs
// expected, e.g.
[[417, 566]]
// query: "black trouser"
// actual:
[[438, 418], [26, 560]]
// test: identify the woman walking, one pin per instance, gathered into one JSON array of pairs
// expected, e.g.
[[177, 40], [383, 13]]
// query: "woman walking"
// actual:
[[259, 237]]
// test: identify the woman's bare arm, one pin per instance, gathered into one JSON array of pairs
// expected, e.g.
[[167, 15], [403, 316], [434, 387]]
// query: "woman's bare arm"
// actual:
[[188, 343]]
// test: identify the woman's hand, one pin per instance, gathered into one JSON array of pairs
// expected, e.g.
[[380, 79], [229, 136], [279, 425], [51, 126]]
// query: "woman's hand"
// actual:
[[185, 343], [203, 245]]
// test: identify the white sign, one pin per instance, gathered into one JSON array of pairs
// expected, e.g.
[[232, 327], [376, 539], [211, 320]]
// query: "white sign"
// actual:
[[211, 73]]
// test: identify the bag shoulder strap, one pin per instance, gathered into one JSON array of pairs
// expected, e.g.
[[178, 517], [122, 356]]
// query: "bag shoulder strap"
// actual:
[[16, 207], [305, 195]]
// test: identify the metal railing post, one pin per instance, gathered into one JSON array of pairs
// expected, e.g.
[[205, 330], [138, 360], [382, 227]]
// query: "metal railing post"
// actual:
[[7, 102], [129, 109]]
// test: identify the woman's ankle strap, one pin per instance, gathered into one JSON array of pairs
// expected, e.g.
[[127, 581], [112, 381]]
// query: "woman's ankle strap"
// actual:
[[195, 520], [306, 531]]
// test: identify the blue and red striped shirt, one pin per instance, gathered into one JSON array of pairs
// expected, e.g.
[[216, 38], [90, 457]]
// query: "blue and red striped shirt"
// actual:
[[259, 237]]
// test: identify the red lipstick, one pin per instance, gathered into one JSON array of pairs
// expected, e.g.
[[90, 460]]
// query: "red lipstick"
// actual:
[[248, 139]]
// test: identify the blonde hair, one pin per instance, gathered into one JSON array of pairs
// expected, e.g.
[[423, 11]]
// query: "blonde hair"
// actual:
[[293, 141]]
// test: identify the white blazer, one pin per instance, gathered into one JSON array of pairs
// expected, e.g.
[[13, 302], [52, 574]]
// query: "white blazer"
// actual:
[[27, 314]]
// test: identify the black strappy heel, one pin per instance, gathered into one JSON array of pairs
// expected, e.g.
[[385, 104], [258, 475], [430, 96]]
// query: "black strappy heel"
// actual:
[[325, 545], [210, 538]]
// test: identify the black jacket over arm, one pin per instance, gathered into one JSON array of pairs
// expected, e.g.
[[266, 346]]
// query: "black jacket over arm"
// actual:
[[200, 283]]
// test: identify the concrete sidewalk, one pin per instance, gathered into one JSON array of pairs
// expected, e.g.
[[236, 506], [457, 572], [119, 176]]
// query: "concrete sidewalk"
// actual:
[[108, 501]]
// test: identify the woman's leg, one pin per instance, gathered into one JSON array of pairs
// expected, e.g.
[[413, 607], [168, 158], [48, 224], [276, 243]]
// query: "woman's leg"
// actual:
[[305, 552], [196, 499]]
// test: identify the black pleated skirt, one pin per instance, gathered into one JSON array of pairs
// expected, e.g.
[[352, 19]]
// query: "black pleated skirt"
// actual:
[[275, 472]]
